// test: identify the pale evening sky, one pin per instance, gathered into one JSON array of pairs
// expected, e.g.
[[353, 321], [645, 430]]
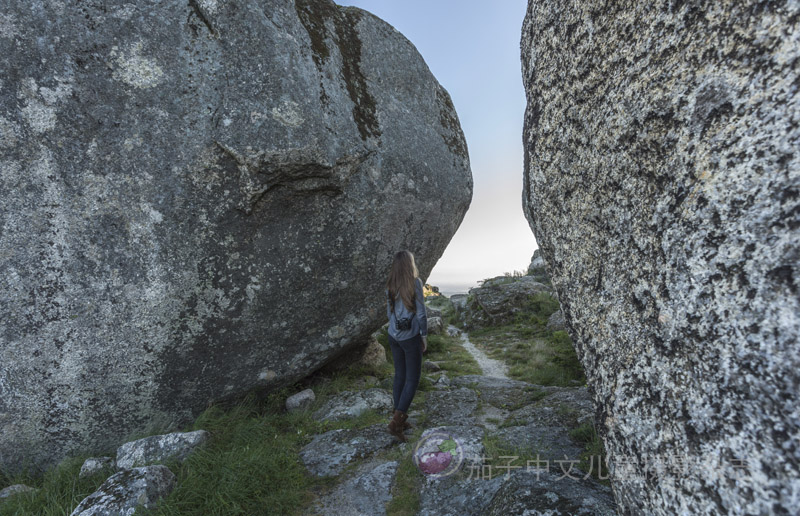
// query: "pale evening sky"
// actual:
[[473, 50]]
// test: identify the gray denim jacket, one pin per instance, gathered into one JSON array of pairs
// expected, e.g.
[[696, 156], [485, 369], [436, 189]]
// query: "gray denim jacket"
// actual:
[[419, 321]]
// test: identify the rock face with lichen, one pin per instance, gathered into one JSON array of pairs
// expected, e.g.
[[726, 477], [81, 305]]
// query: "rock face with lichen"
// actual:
[[662, 182], [202, 198]]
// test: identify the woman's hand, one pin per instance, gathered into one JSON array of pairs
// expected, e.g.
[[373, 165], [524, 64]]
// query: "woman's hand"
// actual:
[[424, 343]]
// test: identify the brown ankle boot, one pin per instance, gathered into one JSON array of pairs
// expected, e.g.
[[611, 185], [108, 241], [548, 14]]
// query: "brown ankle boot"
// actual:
[[406, 424], [396, 425]]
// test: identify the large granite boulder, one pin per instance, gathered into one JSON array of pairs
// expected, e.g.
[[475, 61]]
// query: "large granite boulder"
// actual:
[[662, 184], [200, 198]]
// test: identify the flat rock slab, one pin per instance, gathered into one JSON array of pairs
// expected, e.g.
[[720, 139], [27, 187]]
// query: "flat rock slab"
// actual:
[[515, 493], [451, 407], [329, 453], [500, 392], [122, 492], [349, 404], [566, 406], [550, 442], [541, 493], [366, 493], [469, 439], [576, 397], [457, 496], [157, 448], [542, 416], [490, 417]]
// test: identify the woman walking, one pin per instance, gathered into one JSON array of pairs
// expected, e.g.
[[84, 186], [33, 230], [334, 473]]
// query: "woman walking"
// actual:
[[408, 335]]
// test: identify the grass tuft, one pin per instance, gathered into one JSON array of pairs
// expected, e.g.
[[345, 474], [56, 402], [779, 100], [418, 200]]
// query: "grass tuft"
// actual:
[[59, 490], [593, 458], [405, 490], [250, 465]]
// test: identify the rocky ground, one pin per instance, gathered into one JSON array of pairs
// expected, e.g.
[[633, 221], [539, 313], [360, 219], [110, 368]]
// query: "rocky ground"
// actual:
[[518, 456], [507, 442]]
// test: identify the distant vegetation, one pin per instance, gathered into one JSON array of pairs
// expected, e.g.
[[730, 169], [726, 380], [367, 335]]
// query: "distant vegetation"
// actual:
[[533, 353]]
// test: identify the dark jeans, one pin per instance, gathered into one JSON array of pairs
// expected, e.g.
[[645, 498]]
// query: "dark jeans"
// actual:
[[407, 356]]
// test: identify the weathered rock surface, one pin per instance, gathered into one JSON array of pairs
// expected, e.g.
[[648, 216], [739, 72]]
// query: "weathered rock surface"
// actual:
[[367, 381], [300, 400], [430, 313], [435, 326], [537, 265], [431, 366], [349, 404], [556, 321], [662, 185], [457, 495], [329, 453], [451, 407], [370, 355], [459, 302], [500, 392], [470, 481], [122, 492], [532, 492], [565, 406], [554, 489], [548, 442], [184, 220], [158, 448], [15, 489], [441, 381], [498, 299], [538, 268], [366, 493], [93, 465]]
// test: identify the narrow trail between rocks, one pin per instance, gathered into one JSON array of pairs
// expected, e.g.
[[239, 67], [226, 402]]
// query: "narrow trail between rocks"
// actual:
[[489, 366]]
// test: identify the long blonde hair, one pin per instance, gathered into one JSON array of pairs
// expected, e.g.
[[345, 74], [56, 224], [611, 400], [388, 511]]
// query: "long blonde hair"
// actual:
[[402, 277]]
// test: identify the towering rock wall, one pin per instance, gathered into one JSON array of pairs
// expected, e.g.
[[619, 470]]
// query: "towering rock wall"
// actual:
[[199, 198], [662, 182]]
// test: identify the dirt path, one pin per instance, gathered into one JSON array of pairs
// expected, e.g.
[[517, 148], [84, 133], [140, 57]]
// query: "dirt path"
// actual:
[[489, 366]]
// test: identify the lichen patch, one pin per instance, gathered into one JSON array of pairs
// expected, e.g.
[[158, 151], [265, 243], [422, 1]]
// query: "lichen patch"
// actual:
[[136, 70], [9, 132], [8, 28], [209, 6], [288, 113], [40, 117]]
